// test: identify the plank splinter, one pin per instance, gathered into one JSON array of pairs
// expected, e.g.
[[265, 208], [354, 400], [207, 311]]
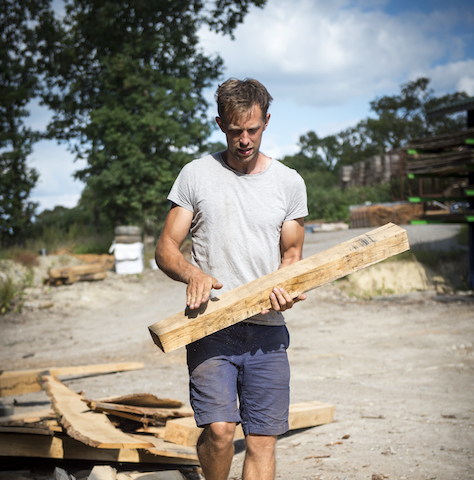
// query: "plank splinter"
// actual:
[[247, 300]]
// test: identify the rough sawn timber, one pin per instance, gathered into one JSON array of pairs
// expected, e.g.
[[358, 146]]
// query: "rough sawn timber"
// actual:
[[247, 300], [26, 381], [91, 428]]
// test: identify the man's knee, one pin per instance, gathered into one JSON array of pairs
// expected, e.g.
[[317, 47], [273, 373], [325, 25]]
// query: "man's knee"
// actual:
[[220, 434], [260, 445]]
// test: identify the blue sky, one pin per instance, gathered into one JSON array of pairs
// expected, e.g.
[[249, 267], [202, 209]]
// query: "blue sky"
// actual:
[[322, 62]]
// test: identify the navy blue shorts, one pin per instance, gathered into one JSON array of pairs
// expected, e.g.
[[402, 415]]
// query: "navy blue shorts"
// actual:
[[241, 374]]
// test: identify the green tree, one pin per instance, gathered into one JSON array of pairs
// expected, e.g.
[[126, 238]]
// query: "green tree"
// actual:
[[397, 119], [402, 117], [126, 86], [23, 33]]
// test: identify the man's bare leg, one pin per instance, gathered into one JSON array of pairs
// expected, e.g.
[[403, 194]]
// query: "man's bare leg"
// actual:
[[215, 450], [259, 463]]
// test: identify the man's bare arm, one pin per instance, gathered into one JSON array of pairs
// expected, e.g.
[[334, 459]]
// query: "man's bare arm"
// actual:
[[291, 248], [170, 259]]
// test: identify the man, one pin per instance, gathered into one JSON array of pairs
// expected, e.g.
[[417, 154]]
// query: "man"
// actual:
[[245, 212]]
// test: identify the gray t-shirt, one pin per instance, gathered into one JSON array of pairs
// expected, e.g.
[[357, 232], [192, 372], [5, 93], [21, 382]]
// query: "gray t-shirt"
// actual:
[[238, 218]]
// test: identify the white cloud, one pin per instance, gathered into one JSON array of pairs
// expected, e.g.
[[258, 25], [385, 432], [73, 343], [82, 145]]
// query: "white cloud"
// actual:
[[460, 74], [319, 53]]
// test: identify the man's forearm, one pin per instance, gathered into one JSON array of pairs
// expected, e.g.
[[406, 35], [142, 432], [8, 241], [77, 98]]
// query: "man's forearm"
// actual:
[[173, 263]]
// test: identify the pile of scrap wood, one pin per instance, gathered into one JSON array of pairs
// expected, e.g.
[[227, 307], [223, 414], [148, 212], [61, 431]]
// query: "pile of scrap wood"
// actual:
[[95, 269], [135, 429]]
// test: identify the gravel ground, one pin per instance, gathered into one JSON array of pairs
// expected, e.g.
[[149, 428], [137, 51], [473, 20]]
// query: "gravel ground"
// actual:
[[399, 370]]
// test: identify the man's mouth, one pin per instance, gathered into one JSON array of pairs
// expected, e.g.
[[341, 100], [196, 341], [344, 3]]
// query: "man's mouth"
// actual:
[[246, 151]]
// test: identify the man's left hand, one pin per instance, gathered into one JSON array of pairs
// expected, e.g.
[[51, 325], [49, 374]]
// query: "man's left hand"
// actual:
[[281, 300]]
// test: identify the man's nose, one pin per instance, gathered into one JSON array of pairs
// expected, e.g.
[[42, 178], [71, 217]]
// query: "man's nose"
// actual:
[[244, 138]]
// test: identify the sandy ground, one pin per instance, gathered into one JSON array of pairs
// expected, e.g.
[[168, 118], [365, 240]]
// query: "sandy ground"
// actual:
[[399, 369]]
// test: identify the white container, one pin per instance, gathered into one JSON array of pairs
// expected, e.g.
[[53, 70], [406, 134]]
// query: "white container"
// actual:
[[129, 258]]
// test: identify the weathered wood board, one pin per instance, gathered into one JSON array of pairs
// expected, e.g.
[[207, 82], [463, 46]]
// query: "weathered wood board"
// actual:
[[247, 300], [143, 400], [142, 413], [26, 381], [92, 428], [64, 447], [184, 431], [87, 272]]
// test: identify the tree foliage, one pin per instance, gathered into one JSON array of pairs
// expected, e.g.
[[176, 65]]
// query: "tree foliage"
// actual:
[[397, 119], [22, 32], [126, 84]]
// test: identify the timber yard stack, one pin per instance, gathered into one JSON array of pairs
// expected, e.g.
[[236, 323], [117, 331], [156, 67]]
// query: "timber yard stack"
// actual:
[[373, 215], [443, 155], [441, 168], [135, 431]]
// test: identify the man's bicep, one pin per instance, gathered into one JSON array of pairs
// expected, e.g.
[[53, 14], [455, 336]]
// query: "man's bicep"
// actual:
[[291, 241], [177, 225]]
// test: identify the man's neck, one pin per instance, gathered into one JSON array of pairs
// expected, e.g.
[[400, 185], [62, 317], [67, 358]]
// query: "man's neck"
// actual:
[[259, 165]]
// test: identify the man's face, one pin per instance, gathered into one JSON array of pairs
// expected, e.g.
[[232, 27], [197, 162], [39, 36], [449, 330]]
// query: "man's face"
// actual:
[[244, 136]]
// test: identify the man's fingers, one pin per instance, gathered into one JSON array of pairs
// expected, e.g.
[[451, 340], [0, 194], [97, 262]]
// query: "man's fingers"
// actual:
[[281, 300], [199, 291]]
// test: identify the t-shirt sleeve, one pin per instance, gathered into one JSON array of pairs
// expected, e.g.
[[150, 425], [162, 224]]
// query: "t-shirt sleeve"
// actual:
[[181, 192], [298, 205]]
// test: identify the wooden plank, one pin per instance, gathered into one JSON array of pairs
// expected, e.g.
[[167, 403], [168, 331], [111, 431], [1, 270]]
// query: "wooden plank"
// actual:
[[145, 412], [26, 381], [158, 432], [63, 447], [143, 400], [242, 302], [32, 430], [184, 431], [77, 270], [92, 428], [310, 414], [29, 417], [167, 449]]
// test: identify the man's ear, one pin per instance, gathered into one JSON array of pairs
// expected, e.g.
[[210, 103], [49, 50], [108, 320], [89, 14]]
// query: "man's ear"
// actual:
[[267, 119], [219, 122]]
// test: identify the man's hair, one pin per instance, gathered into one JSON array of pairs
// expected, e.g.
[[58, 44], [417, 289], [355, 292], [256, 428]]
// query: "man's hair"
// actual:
[[237, 97]]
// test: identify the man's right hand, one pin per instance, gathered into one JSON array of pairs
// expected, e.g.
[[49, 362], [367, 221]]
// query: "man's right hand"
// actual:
[[199, 288]]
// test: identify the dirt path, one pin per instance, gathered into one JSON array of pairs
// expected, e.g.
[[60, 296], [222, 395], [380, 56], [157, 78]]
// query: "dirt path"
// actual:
[[400, 372]]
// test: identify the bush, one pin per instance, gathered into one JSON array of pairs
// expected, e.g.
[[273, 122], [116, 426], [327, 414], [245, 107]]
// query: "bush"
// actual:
[[25, 258], [9, 294], [332, 204]]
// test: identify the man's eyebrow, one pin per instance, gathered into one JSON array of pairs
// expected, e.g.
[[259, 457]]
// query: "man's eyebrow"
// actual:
[[237, 128]]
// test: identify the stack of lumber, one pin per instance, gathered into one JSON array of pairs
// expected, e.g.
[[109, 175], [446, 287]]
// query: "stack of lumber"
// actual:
[[400, 213], [442, 155], [137, 428], [109, 260], [68, 275]]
